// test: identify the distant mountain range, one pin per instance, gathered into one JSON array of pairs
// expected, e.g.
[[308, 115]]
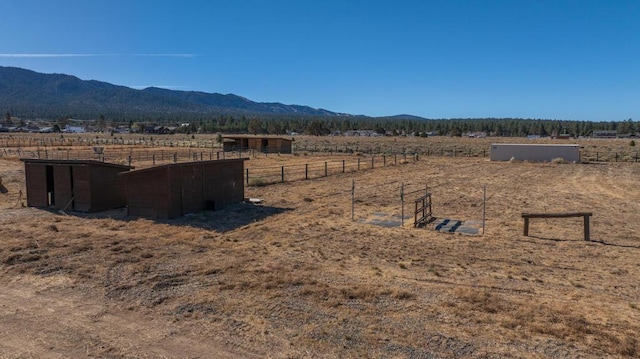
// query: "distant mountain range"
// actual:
[[29, 94]]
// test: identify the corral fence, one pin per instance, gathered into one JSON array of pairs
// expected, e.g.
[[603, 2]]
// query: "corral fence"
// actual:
[[53, 142], [443, 151], [384, 204], [69, 146], [423, 211], [260, 176], [129, 157]]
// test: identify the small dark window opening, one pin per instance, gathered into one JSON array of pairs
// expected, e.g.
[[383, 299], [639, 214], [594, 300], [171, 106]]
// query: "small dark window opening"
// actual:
[[50, 195]]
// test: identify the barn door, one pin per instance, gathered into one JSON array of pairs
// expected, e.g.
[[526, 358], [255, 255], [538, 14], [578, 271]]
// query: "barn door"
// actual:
[[192, 192]]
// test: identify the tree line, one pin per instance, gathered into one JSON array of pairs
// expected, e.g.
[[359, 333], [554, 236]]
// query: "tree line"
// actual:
[[397, 125], [506, 127]]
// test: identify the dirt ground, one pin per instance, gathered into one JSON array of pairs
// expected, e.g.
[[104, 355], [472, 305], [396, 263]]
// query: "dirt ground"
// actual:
[[295, 277]]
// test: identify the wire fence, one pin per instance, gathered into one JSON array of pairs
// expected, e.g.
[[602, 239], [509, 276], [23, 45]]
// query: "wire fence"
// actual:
[[143, 149], [260, 176]]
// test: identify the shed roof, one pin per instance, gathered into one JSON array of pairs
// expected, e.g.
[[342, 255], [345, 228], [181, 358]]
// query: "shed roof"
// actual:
[[536, 144], [76, 163], [154, 168]]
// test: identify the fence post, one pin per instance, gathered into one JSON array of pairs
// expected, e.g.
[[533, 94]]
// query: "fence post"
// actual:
[[343, 166], [129, 161], [402, 202], [282, 174], [175, 157], [326, 173], [306, 171], [484, 206], [154, 159], [372, 161], [247, 175], [384, 160], [353, 199]]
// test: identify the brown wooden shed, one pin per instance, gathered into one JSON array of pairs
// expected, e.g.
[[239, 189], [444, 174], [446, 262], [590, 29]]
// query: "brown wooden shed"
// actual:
[[173, 190], [262, 144], [77, 185]]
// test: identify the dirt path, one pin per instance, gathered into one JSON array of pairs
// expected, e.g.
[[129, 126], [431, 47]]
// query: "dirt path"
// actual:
[[41, 320]]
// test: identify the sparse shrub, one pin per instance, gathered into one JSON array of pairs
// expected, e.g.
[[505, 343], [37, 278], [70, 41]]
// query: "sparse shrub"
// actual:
[[632, 143], [257, 182], [558, 160], [404, 295]]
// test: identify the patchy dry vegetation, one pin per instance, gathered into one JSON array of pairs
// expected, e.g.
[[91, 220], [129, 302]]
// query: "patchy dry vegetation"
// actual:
[[296, 278]]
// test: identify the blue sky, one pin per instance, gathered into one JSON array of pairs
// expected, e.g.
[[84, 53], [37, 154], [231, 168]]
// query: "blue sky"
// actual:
[[570, 60]]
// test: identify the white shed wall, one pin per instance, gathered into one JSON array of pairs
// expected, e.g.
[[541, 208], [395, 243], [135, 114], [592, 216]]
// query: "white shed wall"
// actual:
[[537, 152]]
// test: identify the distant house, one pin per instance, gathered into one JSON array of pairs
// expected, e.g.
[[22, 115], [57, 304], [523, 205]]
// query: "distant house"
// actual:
[[477, 135], [84, 186], [605, 134], [262, 144], [73, 129], [362, 133], [173, 190]]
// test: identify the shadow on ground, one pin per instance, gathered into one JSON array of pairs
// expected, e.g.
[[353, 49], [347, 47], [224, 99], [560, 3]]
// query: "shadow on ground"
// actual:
[[581, 240], [223, 220]]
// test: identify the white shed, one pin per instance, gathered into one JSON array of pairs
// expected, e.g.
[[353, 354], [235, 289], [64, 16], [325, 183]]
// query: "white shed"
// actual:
[[535, 152]]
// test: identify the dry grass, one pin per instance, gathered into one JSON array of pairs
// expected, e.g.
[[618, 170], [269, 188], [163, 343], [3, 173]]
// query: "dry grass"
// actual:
[[297, 278]]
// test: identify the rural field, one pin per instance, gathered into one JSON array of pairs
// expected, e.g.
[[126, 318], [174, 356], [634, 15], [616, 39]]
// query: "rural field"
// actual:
[[302, 276]]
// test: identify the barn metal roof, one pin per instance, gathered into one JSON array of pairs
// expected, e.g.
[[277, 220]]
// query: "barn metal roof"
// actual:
[[155, 168], [75, 163]]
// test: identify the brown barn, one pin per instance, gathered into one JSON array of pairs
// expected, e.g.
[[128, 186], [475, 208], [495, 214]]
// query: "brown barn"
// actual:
[[173, 190], [262, 144], [77, 185]]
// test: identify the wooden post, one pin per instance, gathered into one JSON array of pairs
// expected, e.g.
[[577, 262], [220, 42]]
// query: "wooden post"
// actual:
[[247, 175], [484, 206], [326, 172], [282, 174], [306, 171], [402, 204], [526, 226], [586, 228], [353, 200]]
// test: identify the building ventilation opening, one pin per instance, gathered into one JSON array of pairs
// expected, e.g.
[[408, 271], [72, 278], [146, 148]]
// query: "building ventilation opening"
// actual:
[[51, 199]]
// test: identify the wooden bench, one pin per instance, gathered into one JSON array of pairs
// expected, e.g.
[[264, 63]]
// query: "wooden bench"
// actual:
[[585, 215]]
